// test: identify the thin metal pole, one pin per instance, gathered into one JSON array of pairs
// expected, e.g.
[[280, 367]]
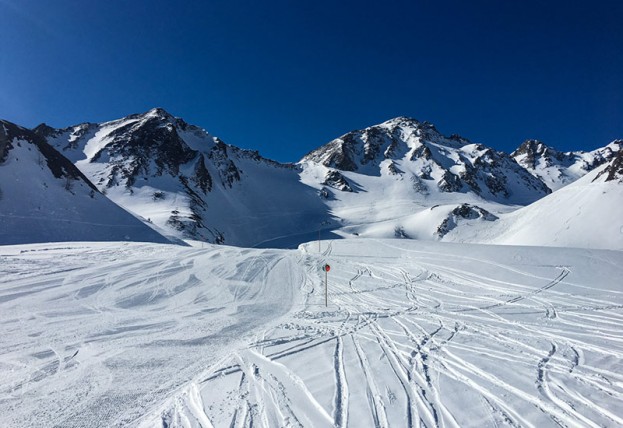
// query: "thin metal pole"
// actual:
[[326, 288]]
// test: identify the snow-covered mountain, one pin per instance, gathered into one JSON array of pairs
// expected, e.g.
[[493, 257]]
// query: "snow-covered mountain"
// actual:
[[401, 178], [404, 147], [188, 182], [557, 169], [45, 198]]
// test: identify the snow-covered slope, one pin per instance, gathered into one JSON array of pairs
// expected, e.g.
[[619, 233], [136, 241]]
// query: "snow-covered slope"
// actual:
[[415, 334], [189, 182], [557, 169], [45, 198], [587, 213]]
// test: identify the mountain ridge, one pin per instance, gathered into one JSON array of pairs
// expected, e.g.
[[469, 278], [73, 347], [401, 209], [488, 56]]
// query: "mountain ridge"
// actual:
[[401, 178], [454, 163], [179, 171], [557, 169]]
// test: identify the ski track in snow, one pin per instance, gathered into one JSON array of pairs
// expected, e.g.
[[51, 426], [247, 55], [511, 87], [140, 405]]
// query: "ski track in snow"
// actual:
[[96, 335], [416, 335], [431, 339]]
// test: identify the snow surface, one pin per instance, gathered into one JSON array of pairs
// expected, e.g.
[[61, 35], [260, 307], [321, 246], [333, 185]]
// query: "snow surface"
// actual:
[[415, 334], [585, 214], [35, 206]]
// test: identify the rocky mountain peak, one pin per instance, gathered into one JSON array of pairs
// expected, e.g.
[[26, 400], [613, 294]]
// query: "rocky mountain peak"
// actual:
[[530, 151], [557, 169], [391, 139], [451, 164], [178, 167], [530, 146], [159, 112], [44, 130]]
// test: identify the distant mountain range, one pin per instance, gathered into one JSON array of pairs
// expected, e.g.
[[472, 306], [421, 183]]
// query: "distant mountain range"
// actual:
[[401, 178], [557, 169]]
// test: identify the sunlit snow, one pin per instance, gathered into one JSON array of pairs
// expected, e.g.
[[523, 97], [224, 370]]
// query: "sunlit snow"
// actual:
[[415, 334]]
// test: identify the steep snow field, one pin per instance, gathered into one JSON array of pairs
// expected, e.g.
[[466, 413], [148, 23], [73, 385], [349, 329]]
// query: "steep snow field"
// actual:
[[40, 205], [585, 214], [415, 334]]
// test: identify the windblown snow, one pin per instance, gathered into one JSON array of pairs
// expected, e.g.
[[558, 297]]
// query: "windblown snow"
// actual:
[[415, 334]]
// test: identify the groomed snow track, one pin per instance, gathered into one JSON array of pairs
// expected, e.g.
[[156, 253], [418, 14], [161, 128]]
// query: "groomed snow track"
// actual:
[[429, 335], [416, 334]]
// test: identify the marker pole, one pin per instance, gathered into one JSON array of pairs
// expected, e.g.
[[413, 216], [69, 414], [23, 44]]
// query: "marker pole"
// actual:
[[326, 288], [326, 268]]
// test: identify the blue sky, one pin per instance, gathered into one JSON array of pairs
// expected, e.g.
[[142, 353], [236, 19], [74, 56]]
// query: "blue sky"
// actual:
[[285, 77]]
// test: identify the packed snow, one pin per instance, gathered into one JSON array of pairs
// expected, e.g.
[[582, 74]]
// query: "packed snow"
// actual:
[[415, 334]]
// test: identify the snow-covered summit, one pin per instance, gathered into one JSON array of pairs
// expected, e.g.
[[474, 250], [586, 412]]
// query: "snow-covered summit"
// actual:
[[557, 169], [405, 146], [182, 178]]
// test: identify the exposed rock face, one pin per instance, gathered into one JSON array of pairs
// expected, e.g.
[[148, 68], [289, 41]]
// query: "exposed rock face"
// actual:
[[201, 177], [337, 181], [228, 171], [463, 212], [614, 171], [453, 164]]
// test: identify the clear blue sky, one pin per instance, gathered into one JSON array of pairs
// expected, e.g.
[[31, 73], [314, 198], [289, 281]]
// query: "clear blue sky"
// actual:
[[285, 77]]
